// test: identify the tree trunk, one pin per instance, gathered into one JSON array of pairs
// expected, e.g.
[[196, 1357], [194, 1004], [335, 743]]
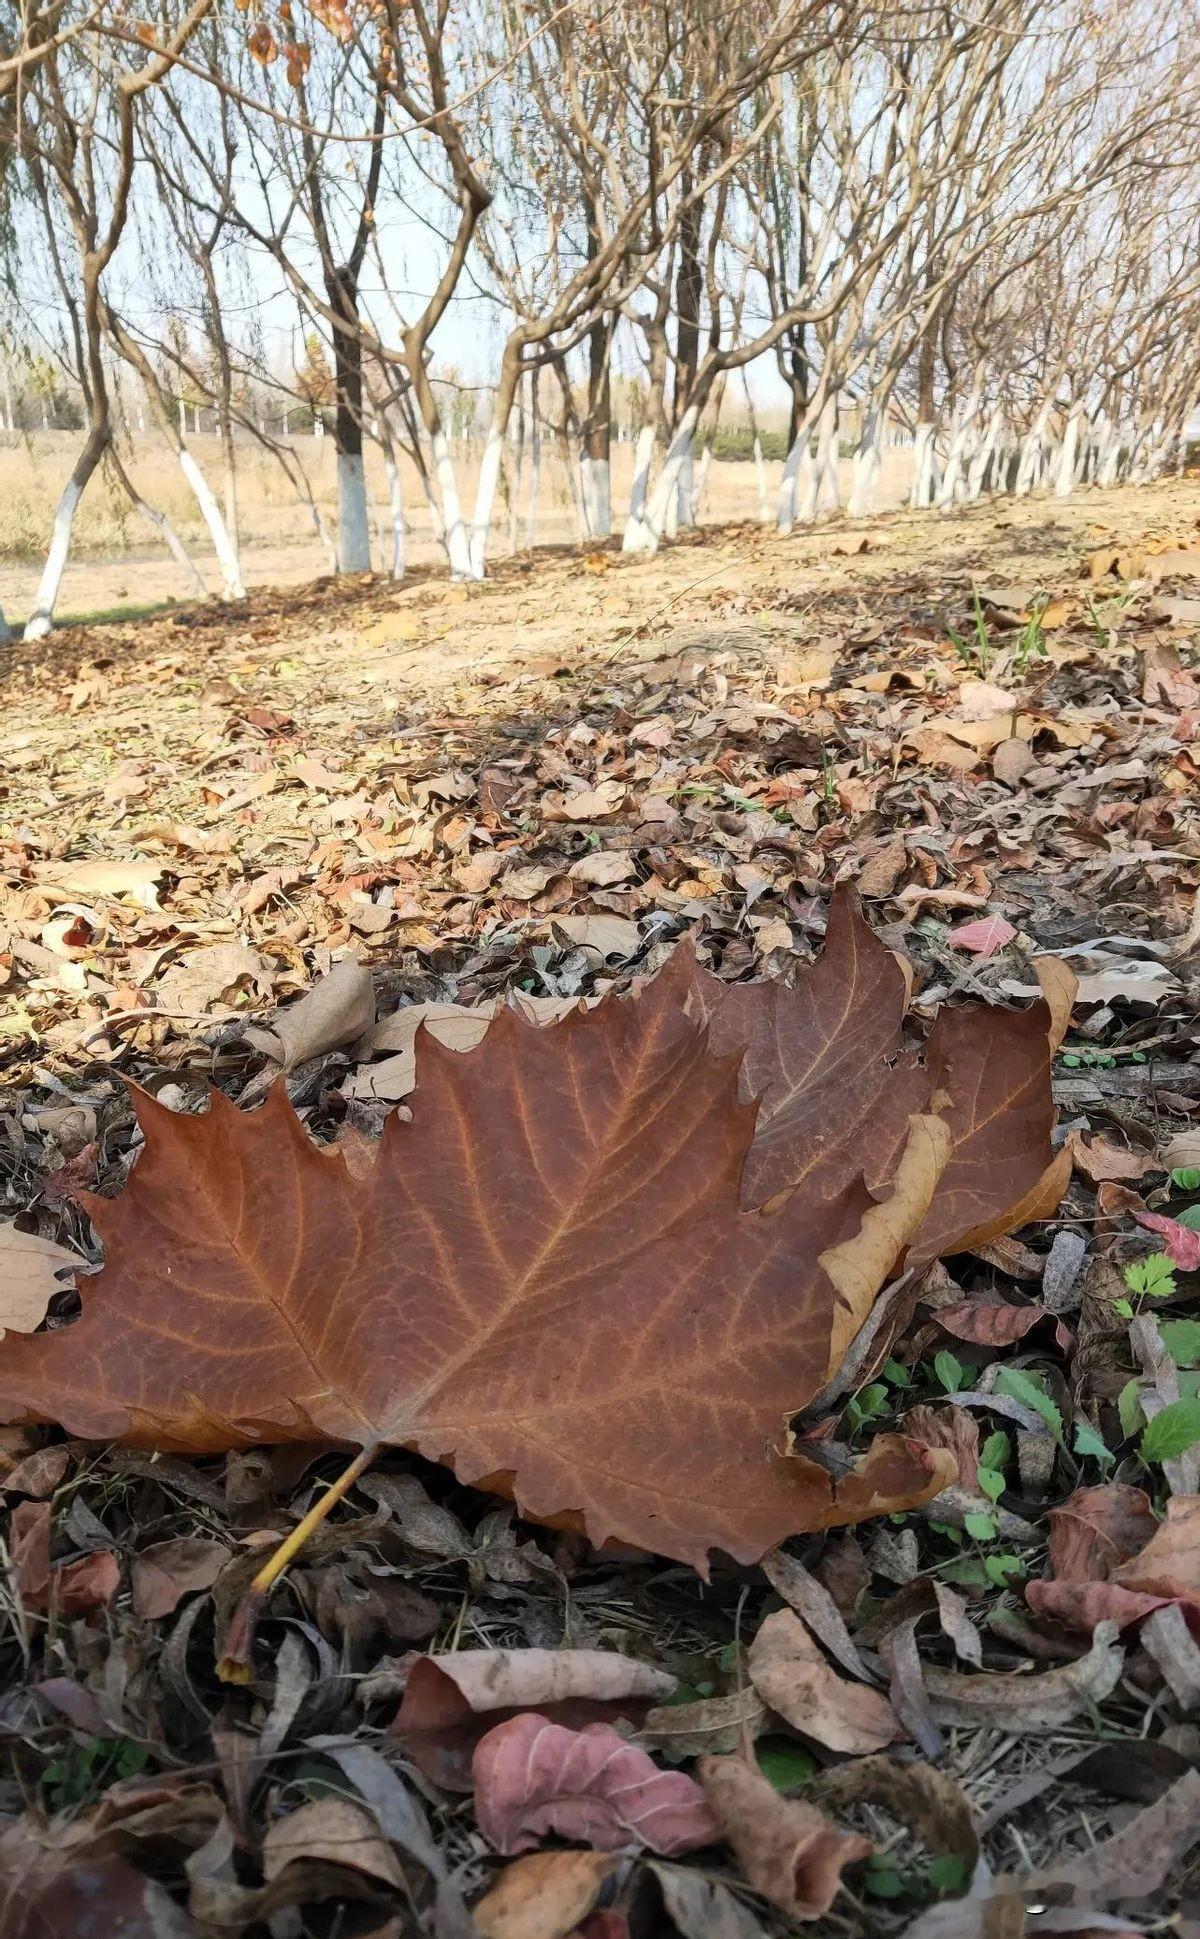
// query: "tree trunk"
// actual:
[[956, 457], [926, 480], [1065, 482], [42, 617], [868, 454], [1031, 452], [489, 470], [535, 461]]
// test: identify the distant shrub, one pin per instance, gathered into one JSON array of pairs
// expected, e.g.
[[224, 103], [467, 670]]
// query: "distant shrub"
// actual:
[[735, 442]]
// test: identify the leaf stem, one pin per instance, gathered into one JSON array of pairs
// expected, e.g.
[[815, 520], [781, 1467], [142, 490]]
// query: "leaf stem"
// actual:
[[235, 1662]]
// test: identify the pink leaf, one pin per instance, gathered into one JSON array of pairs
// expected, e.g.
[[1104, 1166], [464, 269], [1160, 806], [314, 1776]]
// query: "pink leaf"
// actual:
[[982, 938], [1180, 1243], [994, 1323], [533, 1777]]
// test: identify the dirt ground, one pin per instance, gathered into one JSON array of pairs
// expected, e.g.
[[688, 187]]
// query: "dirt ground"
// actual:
[[988, 723]]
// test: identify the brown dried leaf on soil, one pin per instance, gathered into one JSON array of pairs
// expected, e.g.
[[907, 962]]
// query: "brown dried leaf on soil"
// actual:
[[578, 1183], [794, 1679], [450, 1701], [788, 1850], [543, 1896]]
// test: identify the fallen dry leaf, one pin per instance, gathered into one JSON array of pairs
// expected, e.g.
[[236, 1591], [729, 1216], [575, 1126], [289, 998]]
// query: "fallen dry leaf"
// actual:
[[1029, 1703], [167, 1571], [1102, 1160], [32, 1270], [816, 1056], [336, 1832], [386, 1303], [543, 1896], [1179, 1242], [788, 1850], [533, 1777], [927, 1800], [983, 938], [451, 1701], [338, 1008], [793, 1678]]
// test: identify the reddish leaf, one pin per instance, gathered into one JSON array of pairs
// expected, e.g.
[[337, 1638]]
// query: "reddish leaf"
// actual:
[[1169, 1563], [77, 1588], [982, 938], [451, 1701], [828, 1061], [1097, 1539], [996, 1323], [163, 1574], [533, 1778], [545, 1275], [1179, 1242], [1097, 1529]]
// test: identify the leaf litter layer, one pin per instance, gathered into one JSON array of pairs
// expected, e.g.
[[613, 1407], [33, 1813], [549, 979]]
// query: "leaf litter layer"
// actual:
[[1063, 820]]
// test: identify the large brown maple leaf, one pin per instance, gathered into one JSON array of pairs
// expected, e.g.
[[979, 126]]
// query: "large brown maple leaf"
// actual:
[[548, 1275]]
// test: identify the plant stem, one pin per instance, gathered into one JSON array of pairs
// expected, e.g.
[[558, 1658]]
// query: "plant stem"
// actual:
[[235, 1663]]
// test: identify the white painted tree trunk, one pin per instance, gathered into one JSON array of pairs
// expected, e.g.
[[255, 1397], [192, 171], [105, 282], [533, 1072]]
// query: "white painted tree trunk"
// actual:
[[925, 479], [595, 481], [685, 490], [1031, 453], [1064, 484], [454, 531], [42, 617], [956, 456], [760, 483], [829, 495], [535, 473], [485, 499], [868, 462], [160, 523], [977, 471], [354, 524], [218, 531], [789, 484], [396, 512], [664, 500], [1109, 460], [637, 536], [701, 483], [814, 471], [5, 631]]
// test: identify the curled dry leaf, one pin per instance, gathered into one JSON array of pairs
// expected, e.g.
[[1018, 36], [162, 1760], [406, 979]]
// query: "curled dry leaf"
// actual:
[[334, 1832], [788, 1850], [1040, 1702], [450, 1701], [1140, 1857], [794, 1679], [77, 1588], [710, 1724], [996, 1323], [543, 1896], [1094, 1533], [533, 1777], [928, 1801], [531, 1281], [950, 1427], [703, 1908]]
